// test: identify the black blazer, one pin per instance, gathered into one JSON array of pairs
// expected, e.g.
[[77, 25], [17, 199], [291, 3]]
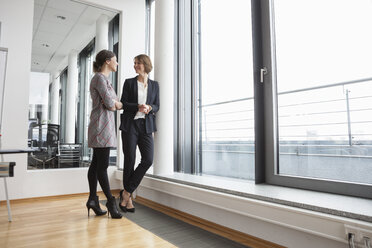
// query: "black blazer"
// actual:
[[129, 99]]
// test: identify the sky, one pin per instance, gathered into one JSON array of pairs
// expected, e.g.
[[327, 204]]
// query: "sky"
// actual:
[[322, 42], [318, 42]]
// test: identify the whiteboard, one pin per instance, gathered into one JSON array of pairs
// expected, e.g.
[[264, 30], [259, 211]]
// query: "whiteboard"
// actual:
[[3, 58]]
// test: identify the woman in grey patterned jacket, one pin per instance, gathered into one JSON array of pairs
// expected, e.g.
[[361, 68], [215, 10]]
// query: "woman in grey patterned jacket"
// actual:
[[101, 131]]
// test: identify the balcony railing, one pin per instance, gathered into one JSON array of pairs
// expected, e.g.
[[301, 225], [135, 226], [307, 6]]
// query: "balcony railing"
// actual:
[[339, 117]]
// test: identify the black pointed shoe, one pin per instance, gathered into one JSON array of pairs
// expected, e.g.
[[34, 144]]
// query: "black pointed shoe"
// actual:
[[131, 210], [123, 208]]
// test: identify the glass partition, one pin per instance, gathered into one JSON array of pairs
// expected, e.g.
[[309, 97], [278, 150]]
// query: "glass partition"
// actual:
[[64, 33]]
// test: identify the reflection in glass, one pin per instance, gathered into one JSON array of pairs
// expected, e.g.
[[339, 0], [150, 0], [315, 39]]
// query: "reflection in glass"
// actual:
[[64, 35]]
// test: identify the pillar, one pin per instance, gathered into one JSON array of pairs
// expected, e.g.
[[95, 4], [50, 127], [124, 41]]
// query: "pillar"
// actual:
[[164, 74], [102, 33], [72, 82], [54, 99]]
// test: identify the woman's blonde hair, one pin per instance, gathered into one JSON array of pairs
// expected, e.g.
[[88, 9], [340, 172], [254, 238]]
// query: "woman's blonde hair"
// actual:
[[146, 61]]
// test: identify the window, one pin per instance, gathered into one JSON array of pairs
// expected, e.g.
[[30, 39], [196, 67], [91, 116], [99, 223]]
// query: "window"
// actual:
[[150, 30], [274, 94], [62, 118], [113, 38], [226, 98], [86, 58], [215, 72], [323, 89]]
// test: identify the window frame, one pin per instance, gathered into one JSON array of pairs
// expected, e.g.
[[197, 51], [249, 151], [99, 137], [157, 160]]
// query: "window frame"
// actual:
[[270, 120], [266, 113], [185, 92], [81, 104], [62, 111]]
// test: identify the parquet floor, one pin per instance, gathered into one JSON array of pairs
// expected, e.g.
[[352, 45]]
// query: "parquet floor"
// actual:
[[62, 222]]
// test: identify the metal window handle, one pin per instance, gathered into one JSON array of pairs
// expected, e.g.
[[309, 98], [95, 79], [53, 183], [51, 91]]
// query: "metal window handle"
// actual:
[[263, 72]]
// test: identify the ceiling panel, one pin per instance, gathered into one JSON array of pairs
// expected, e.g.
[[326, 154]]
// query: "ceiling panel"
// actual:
[[54, 28], [38, 10], [37, 48], [67, 6], [39, 62], [41, 2], [90, 16], [58, 61], [41, 35], [72, 30], [85, 33], [55, 15]]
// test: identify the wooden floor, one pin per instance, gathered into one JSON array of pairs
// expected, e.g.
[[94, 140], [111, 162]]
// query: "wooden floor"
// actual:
[[62, 222]]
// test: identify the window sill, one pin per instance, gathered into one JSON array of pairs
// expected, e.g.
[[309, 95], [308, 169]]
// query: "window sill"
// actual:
[[338, 205]]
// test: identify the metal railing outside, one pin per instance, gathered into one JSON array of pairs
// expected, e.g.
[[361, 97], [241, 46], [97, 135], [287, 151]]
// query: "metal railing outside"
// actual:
[[333, 120]]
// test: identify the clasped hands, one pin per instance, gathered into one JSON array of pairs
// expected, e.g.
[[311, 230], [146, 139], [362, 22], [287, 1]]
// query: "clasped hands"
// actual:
[[144, 108]]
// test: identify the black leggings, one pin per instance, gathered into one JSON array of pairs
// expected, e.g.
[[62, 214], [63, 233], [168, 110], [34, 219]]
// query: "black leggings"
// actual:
[[98, 170]]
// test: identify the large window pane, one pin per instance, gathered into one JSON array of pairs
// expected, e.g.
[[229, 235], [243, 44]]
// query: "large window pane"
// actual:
[[324, 58], [86, 58], [226, 110]]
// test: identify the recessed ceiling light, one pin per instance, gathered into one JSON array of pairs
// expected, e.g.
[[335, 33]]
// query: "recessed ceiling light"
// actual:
[[61, 17], [45, 45]]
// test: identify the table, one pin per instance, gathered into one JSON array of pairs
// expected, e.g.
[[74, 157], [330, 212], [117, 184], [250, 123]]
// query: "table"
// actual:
[[6, 170]]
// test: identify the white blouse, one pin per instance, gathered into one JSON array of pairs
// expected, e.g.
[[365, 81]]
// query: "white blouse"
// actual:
[[142, 97]]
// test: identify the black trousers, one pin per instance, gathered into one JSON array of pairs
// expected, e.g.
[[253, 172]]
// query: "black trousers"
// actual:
[[136, 135], [98, 171]]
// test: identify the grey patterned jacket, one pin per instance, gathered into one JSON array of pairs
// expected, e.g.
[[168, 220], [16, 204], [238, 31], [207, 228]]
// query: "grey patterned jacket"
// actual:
[[101, 129]]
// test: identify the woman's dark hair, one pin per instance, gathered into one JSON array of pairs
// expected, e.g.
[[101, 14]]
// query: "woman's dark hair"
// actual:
[[101, 58], [146, 61]]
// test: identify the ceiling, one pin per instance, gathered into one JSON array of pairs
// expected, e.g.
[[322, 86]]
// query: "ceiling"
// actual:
[[61, 26]]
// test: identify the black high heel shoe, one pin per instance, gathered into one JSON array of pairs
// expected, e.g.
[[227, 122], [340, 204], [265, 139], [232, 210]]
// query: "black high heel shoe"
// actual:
[[124, 208], [93, 203], [131, 210], [112, 209]]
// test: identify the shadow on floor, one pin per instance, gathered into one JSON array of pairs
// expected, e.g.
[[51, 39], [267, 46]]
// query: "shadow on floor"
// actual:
[[177, 232]]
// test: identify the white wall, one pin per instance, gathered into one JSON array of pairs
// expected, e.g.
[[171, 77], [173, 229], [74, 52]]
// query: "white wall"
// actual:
[[16, 36], [17, 25]]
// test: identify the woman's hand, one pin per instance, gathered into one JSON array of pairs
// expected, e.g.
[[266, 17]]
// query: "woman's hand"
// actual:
[[144, 108], [118, 105], [149, 108]]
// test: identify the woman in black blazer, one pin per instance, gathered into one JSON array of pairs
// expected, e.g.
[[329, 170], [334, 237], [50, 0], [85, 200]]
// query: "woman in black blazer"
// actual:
[[140, 99]]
